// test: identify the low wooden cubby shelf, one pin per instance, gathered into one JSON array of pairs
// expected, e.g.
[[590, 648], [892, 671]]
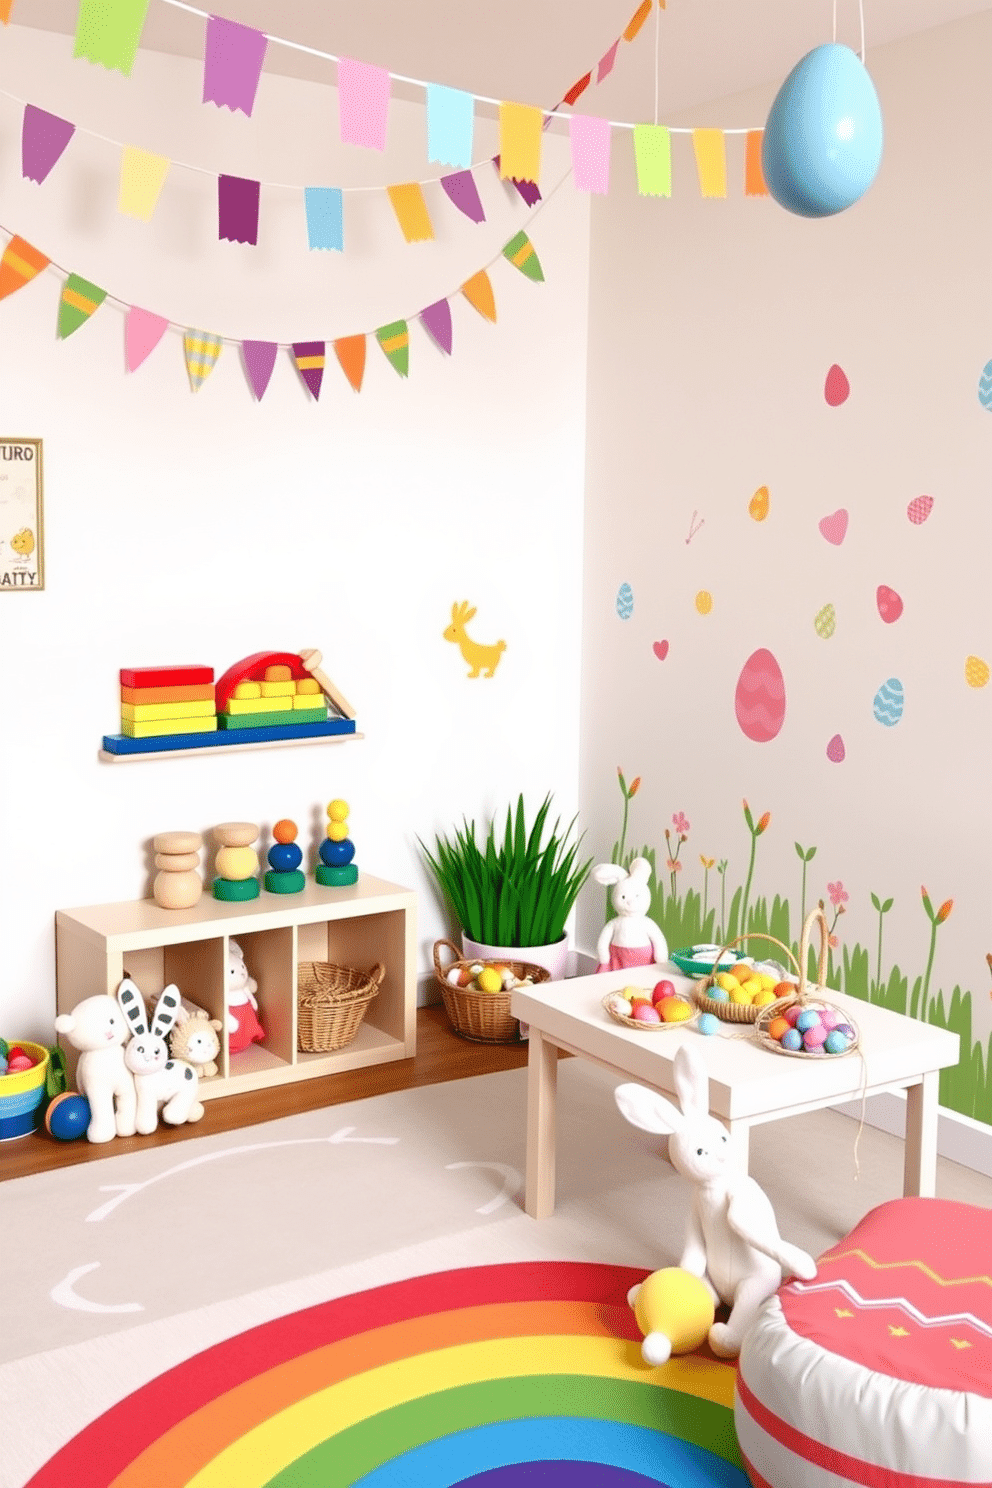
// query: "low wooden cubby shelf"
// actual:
[[357, 926]]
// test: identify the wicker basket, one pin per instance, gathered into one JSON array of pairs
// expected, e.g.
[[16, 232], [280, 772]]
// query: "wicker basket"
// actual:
[[331, 1003], [807, 995], [484, 1017], [640, 1027], [736, 1012]]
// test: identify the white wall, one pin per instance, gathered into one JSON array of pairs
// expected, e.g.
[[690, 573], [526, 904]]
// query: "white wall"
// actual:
[[182, 527]]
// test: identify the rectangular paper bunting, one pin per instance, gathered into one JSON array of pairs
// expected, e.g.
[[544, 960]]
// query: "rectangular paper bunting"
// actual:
[[520, 128], [395, 342], [201, 350], [363, 103], [108, 31], [653, 156], [450, 125], [711, 161], [43, 138], [232, 64], [606, 63], [411, 212], [637, 20], [590, 153], [19, 265], [237, 209], [79, 300], [310, 357], [142, 178], [576, 91], [325, 217], [460, 188], [754, 175]]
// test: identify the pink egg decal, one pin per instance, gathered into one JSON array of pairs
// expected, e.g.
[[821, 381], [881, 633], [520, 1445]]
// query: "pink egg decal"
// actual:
[[919, 509], [834, 527], [836, 388], [889, 603], [660, 649], [759, 701], [836, 753]]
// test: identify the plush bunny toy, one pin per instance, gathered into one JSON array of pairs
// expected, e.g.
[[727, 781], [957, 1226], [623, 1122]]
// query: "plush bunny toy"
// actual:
[[157, 1078], [630, 938], [732, 1241]]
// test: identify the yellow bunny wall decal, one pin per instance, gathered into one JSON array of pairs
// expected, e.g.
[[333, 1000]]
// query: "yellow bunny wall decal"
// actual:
[[483, 660]]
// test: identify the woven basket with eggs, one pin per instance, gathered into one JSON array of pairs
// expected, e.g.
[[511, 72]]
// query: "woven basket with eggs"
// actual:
[[727, 1008], [822, 1027], [482, 1012]]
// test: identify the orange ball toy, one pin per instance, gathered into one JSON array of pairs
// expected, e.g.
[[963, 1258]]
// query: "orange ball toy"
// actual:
[[285, 830]]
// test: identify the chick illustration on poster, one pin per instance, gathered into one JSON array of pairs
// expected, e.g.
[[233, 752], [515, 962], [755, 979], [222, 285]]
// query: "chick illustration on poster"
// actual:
[[21, 554]]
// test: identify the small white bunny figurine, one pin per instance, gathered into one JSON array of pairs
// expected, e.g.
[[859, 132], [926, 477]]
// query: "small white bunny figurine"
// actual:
[[732, 1241], [630, 938], [157, 1078]]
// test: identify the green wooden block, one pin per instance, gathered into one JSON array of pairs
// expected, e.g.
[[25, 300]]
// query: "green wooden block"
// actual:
[[271, 720], [289, 881], [234, 890], [336, 878]]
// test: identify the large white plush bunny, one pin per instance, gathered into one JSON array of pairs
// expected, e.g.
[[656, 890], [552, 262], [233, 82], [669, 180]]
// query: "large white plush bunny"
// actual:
[[732, 1241], [158, 1080], [630, 938], [95, 1027]]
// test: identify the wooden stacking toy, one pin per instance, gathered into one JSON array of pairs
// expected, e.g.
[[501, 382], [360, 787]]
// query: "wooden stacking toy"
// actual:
[[285, 856], [336, 869], [236, 863], [177, 884]]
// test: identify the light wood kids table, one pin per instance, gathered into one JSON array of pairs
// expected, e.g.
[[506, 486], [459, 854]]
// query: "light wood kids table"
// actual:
[[749, 1084]]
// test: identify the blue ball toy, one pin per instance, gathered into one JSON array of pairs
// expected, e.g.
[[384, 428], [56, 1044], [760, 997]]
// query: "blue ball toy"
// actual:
[[708, 1023], [68, 1116], [284, 857], [822, 144], [336, 854]]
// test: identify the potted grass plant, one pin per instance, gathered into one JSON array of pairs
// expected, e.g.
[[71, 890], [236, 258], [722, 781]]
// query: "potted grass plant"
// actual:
[[512, 896]]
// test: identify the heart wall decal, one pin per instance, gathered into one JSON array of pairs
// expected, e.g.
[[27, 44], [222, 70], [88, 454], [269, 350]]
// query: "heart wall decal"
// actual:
[[834, 527], [660, 649]]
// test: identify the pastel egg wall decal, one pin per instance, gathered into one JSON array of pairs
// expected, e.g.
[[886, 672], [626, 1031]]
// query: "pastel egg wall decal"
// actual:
[[985, 386], [625, 601], [834, 527], [759, 700], [836, 753], [976, 672], [825, 622], [757, 507], [836, 389], [889, 603], [704, 601], [660, 649], [822, 144], [919, 509], [889, 702]]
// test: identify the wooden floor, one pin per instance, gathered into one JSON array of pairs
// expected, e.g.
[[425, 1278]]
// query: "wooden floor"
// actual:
[[441, 1055]]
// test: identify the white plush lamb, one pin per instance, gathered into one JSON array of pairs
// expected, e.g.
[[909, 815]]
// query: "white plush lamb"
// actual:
[[97, 1028], [158, 1080], [630, 938], [732, 1241]]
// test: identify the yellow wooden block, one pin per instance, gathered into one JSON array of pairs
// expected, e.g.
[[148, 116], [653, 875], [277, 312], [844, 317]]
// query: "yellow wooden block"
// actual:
[[278, 689], [278, 673], [248, 690], [307, 700], [148, 712], [259, 705], [308, 686], [152, 727]]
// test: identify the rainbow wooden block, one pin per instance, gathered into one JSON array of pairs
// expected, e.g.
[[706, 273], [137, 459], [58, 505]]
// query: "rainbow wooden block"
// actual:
[[154, 727], [122, 744], [270, 720], [170, 676], [199, 693], [149, 712]]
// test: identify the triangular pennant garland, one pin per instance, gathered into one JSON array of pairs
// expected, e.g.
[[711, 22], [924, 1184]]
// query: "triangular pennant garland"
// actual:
[[309, 357], [43, 138], [201, 350], [395, 342], [78, 301], [259, 359], [479, 292], [19, 264], [436, 320], [520, 252], [460, 188], [350, 352], [142, 333]]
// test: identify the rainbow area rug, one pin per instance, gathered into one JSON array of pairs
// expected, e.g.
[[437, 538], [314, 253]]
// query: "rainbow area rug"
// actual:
[[491, 1376]]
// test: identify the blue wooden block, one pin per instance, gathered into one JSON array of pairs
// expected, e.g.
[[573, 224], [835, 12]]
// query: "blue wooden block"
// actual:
[[120, 744]]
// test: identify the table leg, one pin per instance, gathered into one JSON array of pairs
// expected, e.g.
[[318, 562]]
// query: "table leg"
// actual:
[[920, 1165], [542, 1091]]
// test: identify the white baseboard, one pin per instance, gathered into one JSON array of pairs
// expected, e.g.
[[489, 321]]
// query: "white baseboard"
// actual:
[[959, 1138]]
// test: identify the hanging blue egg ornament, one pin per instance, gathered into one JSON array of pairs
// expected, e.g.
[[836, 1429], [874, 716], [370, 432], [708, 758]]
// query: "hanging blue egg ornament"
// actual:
[[822, 144]]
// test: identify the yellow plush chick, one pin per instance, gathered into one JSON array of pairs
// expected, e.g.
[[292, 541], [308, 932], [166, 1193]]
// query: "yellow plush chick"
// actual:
[[674, 1311]]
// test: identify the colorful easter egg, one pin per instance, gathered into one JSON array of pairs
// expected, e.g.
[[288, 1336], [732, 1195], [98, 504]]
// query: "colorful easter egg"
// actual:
[[625, 601], [836, 388], [976, 671], [758, 505], [985, 386], [834, 527], [825, 622], [919, 509], [889, 603], [759, 700], [704, 601], [660, 649], [889, 702], [836, 753]]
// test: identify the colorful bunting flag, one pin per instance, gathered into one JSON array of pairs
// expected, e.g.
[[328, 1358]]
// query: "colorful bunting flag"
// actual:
[[411, 212], [606, 63], [350, 351], [754, 175], [325, 217], [20, 263], [520, 252], [232, 64], [310, 357], [526, 189], [479, 292], [237, 209], [711, 161], [259, 358], [363, 103], [43, 138], [590, 139], [653, 156], [5, 8], [450, 125], [460, 188], [436, 320], [637, 20], [78, 301], [142, 179], [142, 333], [109, 31], [201, 350], [520, 128], [576, 91], [395, 342]]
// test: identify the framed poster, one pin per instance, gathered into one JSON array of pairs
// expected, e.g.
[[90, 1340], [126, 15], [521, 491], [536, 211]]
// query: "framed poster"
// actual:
[[22, 546]]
